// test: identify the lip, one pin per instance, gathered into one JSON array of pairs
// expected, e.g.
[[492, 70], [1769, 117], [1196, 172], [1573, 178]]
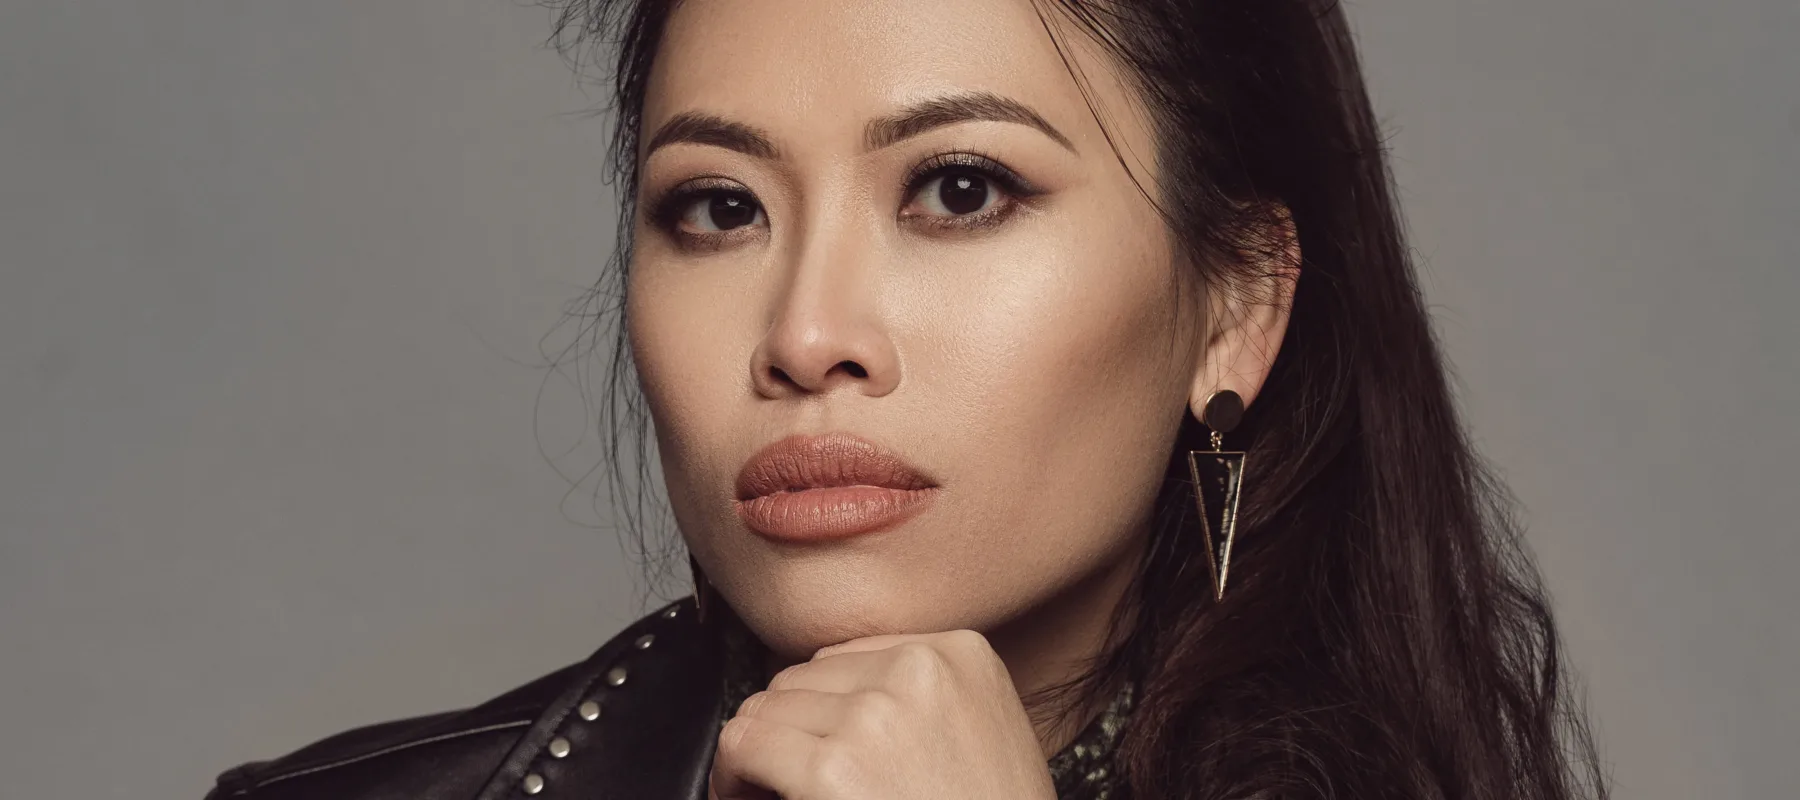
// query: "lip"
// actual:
[[832, 486]]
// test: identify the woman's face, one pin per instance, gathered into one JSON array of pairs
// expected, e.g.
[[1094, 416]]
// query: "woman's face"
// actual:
[[980, 290]]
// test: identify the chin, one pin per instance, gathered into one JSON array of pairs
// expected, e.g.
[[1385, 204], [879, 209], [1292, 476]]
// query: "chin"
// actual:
[[796, 623]]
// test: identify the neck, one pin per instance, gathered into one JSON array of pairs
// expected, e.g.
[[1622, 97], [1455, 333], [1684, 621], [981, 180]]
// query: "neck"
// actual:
[[1058, 640]]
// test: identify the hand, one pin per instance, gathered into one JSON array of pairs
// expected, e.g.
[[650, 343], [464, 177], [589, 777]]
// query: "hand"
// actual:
[[927, 716]]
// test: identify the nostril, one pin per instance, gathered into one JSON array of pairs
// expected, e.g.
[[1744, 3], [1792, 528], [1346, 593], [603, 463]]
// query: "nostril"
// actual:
[[808, 381]]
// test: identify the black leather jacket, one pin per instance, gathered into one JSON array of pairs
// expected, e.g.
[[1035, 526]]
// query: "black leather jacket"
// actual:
[[638, 719]]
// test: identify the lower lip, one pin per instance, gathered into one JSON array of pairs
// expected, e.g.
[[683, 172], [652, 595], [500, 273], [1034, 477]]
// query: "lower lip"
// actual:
[[836, 512]]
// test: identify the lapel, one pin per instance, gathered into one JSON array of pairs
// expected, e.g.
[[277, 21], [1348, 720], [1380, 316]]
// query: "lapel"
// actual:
[[639, 720]]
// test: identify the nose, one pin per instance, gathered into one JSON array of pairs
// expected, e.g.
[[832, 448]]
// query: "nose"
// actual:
[[827, 331]]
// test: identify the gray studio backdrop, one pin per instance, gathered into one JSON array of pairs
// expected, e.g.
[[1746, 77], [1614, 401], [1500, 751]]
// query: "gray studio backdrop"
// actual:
[[274, 275]]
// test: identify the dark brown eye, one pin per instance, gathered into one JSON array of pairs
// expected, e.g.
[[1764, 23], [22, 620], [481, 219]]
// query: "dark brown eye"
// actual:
[[957, 194], [716, 212]]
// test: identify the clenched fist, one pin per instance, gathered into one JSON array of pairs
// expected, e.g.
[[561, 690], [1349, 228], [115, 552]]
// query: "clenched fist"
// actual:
[[899, 717]]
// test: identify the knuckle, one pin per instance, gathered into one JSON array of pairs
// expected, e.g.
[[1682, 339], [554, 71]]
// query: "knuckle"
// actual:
[[835, 770], [876, 704], [732, 738], [973, 651], [967, 640], [753, 703], [917, 656], [784, 678], [873, 710], [917, 665]]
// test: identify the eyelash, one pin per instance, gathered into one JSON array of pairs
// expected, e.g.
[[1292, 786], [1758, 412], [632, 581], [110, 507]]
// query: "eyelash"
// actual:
[[668, 209]]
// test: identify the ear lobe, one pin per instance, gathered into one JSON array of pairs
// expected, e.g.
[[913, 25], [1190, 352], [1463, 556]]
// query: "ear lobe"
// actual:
[[1248, 313]]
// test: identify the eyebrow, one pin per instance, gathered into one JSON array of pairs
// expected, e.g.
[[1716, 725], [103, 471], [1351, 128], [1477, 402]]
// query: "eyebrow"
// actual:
[[711, 129], [951, 109], [696, 127]]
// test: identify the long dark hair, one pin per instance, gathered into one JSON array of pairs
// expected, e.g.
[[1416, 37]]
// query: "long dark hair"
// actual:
[[1385, 633]]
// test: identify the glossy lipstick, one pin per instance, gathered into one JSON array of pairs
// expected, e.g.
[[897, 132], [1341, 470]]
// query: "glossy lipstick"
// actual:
[[816, 488]]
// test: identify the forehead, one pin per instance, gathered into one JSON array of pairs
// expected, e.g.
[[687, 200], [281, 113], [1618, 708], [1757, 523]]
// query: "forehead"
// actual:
[[801, 65]]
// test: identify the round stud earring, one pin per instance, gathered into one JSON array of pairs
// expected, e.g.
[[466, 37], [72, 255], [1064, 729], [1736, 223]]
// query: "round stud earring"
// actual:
[[1222, 412]]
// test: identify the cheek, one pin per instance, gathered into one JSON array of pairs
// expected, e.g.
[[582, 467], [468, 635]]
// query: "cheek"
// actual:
[[688, 372], [1067, 379]]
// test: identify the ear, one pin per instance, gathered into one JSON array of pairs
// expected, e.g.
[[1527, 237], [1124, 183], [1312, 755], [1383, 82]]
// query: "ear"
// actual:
[[1248, 312]]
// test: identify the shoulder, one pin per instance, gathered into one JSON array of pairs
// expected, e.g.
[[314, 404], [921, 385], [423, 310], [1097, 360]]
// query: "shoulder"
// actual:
[[457, 753]]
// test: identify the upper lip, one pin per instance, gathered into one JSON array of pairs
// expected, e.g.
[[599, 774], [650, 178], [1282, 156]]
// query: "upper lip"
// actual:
[[812, 462]]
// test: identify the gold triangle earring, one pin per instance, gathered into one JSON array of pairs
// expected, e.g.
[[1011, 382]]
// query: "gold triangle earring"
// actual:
[[701, 589], [1218, 480]]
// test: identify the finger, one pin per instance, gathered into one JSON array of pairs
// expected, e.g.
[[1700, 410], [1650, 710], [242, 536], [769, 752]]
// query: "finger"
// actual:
[[871, 643], [815, 712], [756, 756], [841, 674], [962, 647]]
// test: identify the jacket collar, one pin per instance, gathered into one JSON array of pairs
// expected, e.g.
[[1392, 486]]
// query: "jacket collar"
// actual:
[[640, 717]]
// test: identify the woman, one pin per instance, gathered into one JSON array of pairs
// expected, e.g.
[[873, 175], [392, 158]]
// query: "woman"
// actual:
[[951, 316]]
